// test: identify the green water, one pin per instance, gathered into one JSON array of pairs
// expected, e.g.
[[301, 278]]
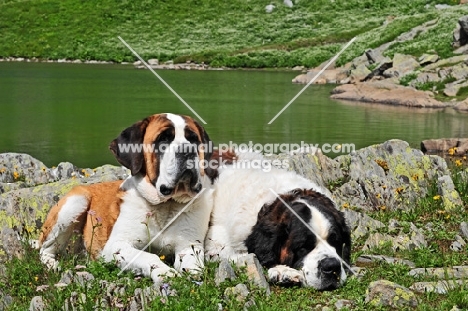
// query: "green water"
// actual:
[[70, 112]]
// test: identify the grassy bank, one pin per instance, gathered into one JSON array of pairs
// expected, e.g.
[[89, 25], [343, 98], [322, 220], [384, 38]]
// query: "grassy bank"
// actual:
[[223, 33]]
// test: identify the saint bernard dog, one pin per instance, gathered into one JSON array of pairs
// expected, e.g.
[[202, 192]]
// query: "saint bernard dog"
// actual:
[[290, 223], [118, 219]]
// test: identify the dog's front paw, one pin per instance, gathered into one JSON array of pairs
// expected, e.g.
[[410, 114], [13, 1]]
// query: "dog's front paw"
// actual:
[[159, 273], [50, 261], [284, 275]]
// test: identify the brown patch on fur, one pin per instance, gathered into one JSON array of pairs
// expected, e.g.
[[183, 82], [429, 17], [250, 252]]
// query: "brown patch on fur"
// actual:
[[97, 221], [157, 124], [217, 158], [203, 138]]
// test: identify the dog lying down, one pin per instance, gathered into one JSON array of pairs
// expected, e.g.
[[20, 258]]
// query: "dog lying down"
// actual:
[[164, 205], [290, 223]]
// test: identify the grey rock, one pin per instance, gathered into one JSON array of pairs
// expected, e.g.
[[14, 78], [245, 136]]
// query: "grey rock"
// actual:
[[10, 242], [386, 293], [402, 65], [23, 167], [66, 277], [442, 145], [393, 225], [461, 50], [240, 292], [464, 229], [450, 196], [360, 60], [83, 277], [254, 271], [440, 287], [314, 166], [37, 304], [224, 272], [458, 245], [343, 303], [424, 77], [361, 224], [65, 170], [456, 272], [360, 73], [413, 241], [153, 62], [366, 259], [446, 62], [459, 72], [416, 31], [460, 33], [5, 187], [5, 300], [387, 176], [269, 8], [426, 59]]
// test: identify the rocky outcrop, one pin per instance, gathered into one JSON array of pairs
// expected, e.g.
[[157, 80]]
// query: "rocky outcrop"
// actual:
[[428, 72], [386, 293], [386, 92], [446, 146]]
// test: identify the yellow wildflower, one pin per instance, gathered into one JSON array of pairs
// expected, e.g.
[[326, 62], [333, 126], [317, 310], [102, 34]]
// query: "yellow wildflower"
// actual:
[[447, 216], [15, 175], [452, 151], [399, 190], [377, 195], [436, 197], [162, 257], [458, 162], [346, 205], [383, 208], [36, 278]]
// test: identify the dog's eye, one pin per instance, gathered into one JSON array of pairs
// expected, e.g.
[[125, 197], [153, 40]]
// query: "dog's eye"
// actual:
[[191, 136], [166, 136]]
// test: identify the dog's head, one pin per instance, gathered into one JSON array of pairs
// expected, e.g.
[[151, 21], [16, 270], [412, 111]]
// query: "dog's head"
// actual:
[[166, 151], [313, 238]]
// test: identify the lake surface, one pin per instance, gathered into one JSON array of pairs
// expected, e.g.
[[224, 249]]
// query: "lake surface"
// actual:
[[70, 112]]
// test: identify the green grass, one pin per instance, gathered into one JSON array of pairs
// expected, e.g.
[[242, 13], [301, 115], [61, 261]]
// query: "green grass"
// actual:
[[223, 33], [24, 275]]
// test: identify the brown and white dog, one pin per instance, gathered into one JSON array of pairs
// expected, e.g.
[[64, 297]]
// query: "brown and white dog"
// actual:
[[118, 219]]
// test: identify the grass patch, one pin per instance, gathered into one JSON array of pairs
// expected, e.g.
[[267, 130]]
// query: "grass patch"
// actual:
[[223, 33]]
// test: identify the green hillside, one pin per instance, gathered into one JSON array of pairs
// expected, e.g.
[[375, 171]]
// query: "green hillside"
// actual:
[[235, 33]]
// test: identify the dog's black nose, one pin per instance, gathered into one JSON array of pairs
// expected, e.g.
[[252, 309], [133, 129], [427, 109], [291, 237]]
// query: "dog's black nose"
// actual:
[[165, 190], [330, 266]]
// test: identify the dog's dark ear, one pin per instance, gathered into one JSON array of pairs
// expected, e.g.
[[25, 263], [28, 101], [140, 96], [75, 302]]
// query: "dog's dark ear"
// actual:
[[346, 236], [127, 147], [207, 144]]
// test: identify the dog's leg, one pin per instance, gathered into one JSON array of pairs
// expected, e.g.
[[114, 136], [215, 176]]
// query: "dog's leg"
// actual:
[[67, 216], [140, 262], [190, 258]]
